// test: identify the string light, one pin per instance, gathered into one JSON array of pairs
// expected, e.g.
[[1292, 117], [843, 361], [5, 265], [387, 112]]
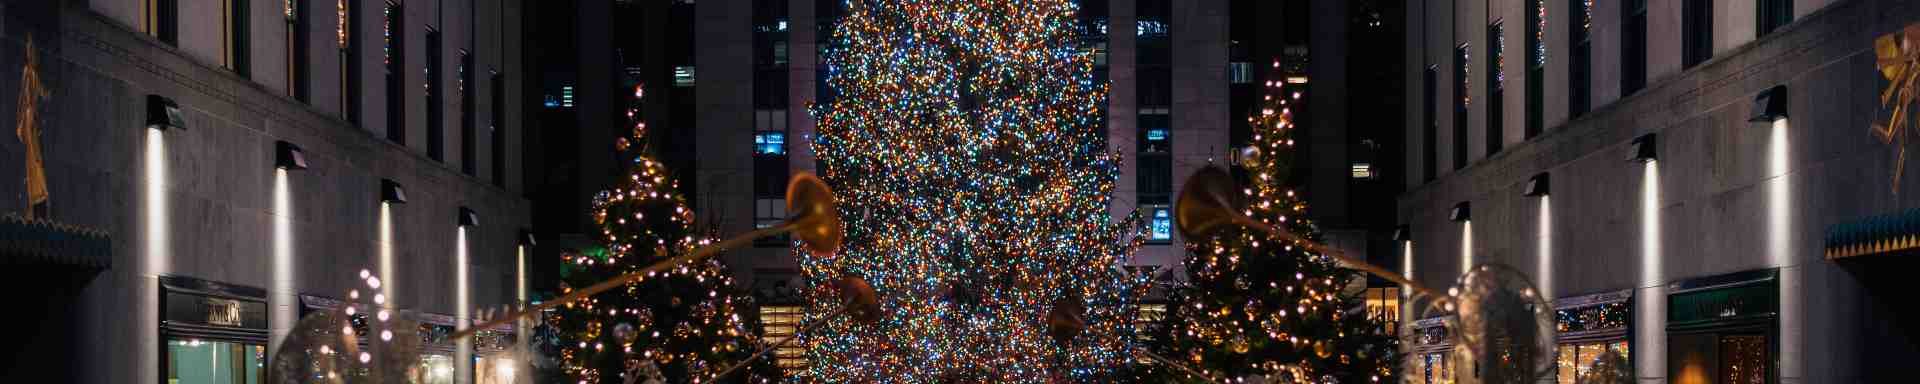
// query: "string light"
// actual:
[[1255, 310], [643, 220], [965, 150]]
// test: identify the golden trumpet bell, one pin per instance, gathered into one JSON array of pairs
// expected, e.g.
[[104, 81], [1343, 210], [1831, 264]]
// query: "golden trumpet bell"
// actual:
[[1064, 322], [1206, 202], [863, 303], [816, 221]]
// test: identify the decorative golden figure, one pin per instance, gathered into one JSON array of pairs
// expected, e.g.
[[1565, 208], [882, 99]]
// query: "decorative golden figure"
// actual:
[[1898, 59], [26, 126]]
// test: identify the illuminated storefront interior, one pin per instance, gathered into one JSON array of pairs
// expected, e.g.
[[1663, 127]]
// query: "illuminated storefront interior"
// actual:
[[1593, 332]]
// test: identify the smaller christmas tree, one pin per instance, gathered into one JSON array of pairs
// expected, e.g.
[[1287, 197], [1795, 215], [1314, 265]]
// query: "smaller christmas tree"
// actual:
[[684, 324], [1259, 304]]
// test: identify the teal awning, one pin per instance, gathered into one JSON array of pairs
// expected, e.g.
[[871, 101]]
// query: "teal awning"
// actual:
[[1892, 232], [26, 241]]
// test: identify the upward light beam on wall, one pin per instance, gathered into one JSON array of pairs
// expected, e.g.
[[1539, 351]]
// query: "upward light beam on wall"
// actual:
[[462, 313], [1650, 309], [1466, 246], [1544, 270], [283, 315], [386, 254], [155, 195], [158, 258]]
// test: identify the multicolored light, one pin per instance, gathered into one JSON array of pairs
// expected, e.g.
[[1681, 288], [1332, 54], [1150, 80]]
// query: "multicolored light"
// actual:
[[964, 146]]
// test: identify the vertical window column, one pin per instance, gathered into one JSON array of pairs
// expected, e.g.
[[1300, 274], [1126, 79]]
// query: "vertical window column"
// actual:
[[1462, 101], [1154, 89], [234, 36], [469, 151], [1633, 51], [1772, 15], [393, 44], [1430, 124], [1697, 31], [1496, 87], [296, 49], [162, 20], [436, 99], [349, 55], [497, 134], [1580, 61], [1536, 67]]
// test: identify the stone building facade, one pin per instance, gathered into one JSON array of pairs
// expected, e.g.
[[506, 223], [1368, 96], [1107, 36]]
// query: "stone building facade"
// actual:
[[201, 212], [1680, 220]]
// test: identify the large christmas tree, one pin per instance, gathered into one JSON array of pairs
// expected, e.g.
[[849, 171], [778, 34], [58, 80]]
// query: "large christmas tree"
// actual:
[[964, 146], [1260, 304], [680, 326]]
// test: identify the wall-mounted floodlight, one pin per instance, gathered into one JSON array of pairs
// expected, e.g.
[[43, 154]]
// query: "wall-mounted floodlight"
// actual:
[[468, 218], [1462, 211], [1770, 105], [526, 237], [390, 192], [1538, 185], [1402, 233], [164, 114], [288, 156], [1643, 149]]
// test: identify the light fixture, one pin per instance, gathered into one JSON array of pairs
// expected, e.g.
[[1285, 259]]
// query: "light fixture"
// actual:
[[1642, 149], [288, 156], [468, 218], [1537, 185], [1770, 105], [1462, 211], [390, 192], [526, 237], [1402, 233], [163, 114]]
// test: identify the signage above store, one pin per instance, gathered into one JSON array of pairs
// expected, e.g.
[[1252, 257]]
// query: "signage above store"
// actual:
[[1719, 300]]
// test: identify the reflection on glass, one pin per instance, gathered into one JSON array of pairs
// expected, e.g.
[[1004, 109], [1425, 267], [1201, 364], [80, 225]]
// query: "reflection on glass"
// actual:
[[1593, 363], [1565, 363], [215, 362], [434, 369], [1743, 359]]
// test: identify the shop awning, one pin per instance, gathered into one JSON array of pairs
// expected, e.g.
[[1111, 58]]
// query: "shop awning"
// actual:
[[1889, 233], [26, 241]]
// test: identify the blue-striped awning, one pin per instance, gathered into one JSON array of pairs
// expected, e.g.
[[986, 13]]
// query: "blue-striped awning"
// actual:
[[1887, 233], [25, 241]]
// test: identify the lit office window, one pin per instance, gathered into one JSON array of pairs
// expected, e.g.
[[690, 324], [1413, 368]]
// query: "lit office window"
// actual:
[[1160, 227], [1239, 72], [770, 143], [1362, 171], [683, 76]]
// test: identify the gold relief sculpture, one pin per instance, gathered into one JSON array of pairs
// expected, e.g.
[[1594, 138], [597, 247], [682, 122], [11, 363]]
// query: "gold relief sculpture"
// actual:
[[26, 126], [1898, 59]]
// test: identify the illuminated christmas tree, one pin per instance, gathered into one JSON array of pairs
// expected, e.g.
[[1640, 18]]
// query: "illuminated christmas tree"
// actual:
[[1259, 304], [964, 144], [684, 324]]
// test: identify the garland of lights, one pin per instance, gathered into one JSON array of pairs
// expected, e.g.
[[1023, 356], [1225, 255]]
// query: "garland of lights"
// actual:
[[1257, 304], [964, 145]]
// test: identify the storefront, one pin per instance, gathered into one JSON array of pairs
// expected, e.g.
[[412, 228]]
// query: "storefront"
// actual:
[[212, 333], [436, 349], [1593, 332], [493, 358], [1724, 329], [1431, 355]]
